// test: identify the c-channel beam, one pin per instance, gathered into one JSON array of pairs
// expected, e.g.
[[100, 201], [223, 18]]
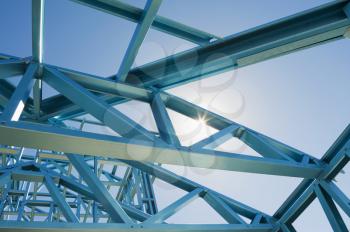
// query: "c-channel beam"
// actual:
[[304, 200], [37, 29], [15, 106], [134, 14], [223, 209], [337, 195], [330, 209], [110, 116], [71, 141], [168, 211], [140, 32], [110, 205], [11, 67], [37, 97], [58, 198], [216, 139], [163, 121], [262, 147], [13, 226]]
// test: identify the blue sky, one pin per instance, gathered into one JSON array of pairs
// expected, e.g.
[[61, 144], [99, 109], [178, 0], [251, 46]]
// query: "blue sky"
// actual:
[[300, 99]]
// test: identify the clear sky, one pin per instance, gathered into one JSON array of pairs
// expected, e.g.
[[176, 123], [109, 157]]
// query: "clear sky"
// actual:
[[300, 99]]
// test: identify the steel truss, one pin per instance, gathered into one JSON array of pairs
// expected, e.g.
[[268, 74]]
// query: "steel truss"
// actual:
[[71, 178]]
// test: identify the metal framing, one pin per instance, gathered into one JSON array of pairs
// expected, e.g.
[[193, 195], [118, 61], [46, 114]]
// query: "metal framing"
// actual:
[[57, 178]]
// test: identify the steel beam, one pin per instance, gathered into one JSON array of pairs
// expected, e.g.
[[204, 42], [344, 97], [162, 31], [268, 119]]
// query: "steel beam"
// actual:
[[15, 106], [217, 138], [11, 226], [70, 141], [140, 32], [300, 204], [111, 206], [6, 91], [223, 209], [37, 29], [330, 210], [134, 14], [11, 67], [60, 200], [337, 195], [163, 121], [168, 211]]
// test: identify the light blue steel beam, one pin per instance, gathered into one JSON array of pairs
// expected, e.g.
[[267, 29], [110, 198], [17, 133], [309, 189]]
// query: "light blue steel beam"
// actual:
[[37, 97], [337, 195], [134, 14], [11, 226], [260, 146], [163, 121], [71, 141], [11, 67], [299, 205], [216, 139], [111, 206], [15, 106], [59, 200], [222, 208], [6, 91], [337, 163], [38, 49], [330, 209], [110, 116], [170, 210], [140, 32], [37, 29]]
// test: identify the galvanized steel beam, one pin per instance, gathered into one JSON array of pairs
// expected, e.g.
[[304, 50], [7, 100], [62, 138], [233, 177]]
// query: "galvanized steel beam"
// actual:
[[69, 141], [134, 14]]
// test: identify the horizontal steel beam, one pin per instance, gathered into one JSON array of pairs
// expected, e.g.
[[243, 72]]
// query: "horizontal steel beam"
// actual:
[[71, 141], [13, 226], [134, 14]]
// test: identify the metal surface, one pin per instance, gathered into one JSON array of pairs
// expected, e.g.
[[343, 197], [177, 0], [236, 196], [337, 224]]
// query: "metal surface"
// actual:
[[57, 178]]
